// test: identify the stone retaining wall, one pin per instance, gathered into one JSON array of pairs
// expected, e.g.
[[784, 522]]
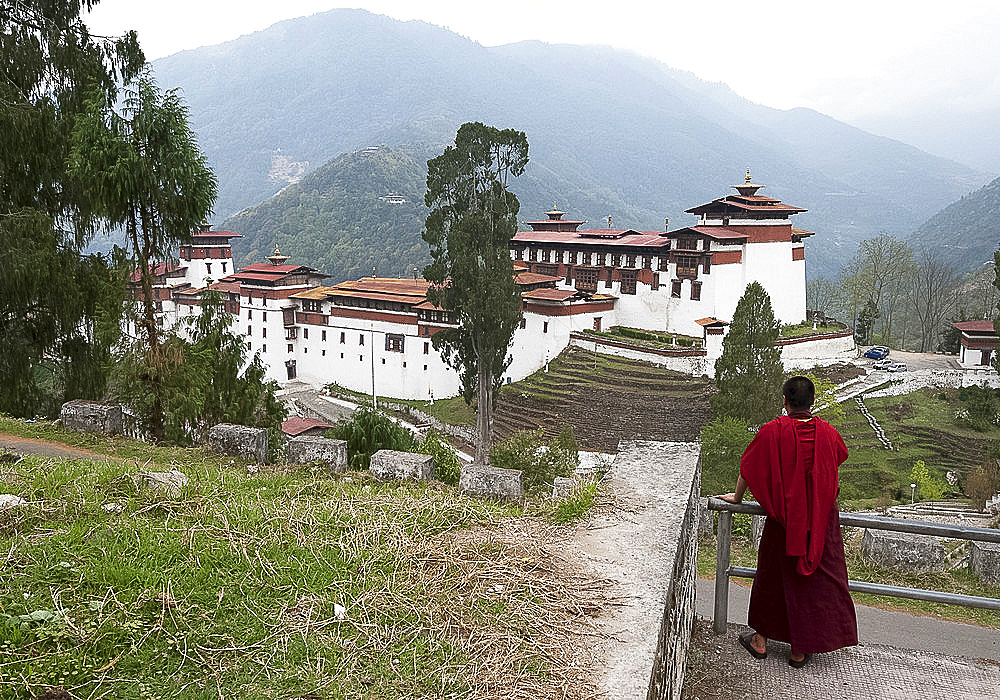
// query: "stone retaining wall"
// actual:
[[902, 551], [689, 360], [908, 382], [491, 482], [390, 464]]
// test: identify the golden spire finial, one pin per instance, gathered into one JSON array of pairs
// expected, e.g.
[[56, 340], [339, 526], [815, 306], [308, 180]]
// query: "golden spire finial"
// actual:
[[748, 175], [276, 258]]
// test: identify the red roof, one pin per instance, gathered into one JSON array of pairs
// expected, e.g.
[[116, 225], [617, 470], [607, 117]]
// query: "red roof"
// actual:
[[984, 326], [296, 425], [710, 321], [268, 268], [762, 204], [722, 233], [159, 269], [549, 294], [216, 234], [535, 278], [645, 239]]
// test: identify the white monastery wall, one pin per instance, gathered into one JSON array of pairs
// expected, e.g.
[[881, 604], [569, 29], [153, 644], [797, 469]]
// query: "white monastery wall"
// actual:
[[543, 337], [784, 279], [696, 365]]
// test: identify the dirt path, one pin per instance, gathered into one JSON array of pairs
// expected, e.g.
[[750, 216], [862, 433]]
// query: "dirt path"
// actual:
[[44, 448]]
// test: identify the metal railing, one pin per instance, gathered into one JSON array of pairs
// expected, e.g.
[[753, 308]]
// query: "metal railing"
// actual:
[[723, 570]]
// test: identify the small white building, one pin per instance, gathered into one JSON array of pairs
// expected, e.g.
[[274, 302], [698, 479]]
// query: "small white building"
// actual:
[[978, 345]]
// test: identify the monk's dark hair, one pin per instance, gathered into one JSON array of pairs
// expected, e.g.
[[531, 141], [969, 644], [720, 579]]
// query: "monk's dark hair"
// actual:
[[800, 393]]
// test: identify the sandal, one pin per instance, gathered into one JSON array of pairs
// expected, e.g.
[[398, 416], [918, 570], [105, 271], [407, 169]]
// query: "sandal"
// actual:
[[744, 640], [802, 662]]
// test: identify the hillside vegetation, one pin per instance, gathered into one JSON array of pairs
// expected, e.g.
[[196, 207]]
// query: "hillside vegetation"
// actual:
[[611, 133], [361, 211], [264, 582], [966, 233]]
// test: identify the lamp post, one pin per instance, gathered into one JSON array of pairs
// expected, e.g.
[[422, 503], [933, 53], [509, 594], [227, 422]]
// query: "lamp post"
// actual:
[[912, 489], [372, 349]]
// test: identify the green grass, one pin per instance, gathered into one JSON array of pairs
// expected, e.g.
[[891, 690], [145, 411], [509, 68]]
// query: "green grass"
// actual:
[[283, 582], [577, 505], [799, 330], [742, 553], [450, 411]]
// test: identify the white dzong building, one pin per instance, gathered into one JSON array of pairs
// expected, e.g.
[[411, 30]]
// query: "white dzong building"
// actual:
[[374, 334]]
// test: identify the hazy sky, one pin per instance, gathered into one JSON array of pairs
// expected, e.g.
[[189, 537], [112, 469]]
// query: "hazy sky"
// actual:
[[851, 59]]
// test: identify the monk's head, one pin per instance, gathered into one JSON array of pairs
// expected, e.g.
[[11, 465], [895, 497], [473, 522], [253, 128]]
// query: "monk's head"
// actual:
[[799, 393]]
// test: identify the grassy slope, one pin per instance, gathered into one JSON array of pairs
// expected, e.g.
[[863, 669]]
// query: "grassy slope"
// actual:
[[922, 425], [235, 587]]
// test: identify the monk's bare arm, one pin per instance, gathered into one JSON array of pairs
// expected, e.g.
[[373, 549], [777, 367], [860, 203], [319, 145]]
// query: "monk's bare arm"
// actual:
[[736, 496]]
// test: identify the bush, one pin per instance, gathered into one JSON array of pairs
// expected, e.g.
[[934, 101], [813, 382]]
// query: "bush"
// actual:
[[541, 463], [366, 432], [722, 444], [447, 468], [980, 407], [983, 483], [931, 489]]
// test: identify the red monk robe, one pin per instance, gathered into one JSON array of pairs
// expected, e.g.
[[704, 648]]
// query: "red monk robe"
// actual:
[[800, 592]]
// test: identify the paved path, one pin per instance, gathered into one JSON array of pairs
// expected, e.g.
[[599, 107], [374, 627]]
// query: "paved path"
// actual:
[[900, 656], [45, 448], [877, 626]]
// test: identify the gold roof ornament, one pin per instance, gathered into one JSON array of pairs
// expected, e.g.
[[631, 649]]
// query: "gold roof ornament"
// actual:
[[748, 188], [276, 258]]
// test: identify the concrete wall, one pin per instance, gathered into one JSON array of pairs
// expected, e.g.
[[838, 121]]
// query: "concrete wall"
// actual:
[[652, 554]]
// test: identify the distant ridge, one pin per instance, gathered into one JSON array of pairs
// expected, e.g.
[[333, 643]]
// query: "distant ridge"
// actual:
[[611, 133], [966, 233]]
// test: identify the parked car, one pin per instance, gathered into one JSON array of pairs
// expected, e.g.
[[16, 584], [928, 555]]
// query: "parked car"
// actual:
[[877, 352], [896, 367], [883, 363]]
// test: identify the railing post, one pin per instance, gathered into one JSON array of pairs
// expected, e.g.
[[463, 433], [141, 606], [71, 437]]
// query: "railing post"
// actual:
[[722, 572]]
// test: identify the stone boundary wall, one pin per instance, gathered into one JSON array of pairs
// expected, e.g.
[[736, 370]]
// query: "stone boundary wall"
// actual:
[[687, 360], [908, 382], [305, 449], [92, 417], [667, 678], [240, 441]]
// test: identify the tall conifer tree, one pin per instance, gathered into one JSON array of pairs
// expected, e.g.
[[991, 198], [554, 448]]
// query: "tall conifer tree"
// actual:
[[473, 217], [749, 371], [53, 312]]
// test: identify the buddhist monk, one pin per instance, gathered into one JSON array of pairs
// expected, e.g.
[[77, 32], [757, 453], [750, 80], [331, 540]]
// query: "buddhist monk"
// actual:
[[799, 594]]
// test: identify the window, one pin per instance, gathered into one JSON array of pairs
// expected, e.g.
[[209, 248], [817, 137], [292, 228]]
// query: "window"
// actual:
[[383, 360], [655, 283], [696, 291], [322, 336], [361, 339], [310, 305], [647, 262], [519, 254], [290, 347], [361, 358], [524, 322], [687, 266], [249, 314], [249, 330], [664, 263], [263, 348], [342, 338], [616, 260], [628, 281], [532, 255], [263, 332], [586, 279], [629, 261], [393, 343], [574, 257], [263, 314], [545, 327], [427, 348], [341, 356], [706, 264], [305, 351], [675, 289], [597, 323], [223, 268], [322, 353], [305, 334], [547, 255], [425, 368]]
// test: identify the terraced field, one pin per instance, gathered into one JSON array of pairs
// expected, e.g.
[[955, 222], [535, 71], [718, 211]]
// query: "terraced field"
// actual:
[[606, 399], [920, 426]]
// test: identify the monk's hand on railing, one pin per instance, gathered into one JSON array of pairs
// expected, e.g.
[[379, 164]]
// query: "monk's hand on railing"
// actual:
[[729, 498]]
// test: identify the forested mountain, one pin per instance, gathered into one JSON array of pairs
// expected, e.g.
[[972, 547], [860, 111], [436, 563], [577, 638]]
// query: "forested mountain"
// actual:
[[966, 233], [361, 211], [611, 133]]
